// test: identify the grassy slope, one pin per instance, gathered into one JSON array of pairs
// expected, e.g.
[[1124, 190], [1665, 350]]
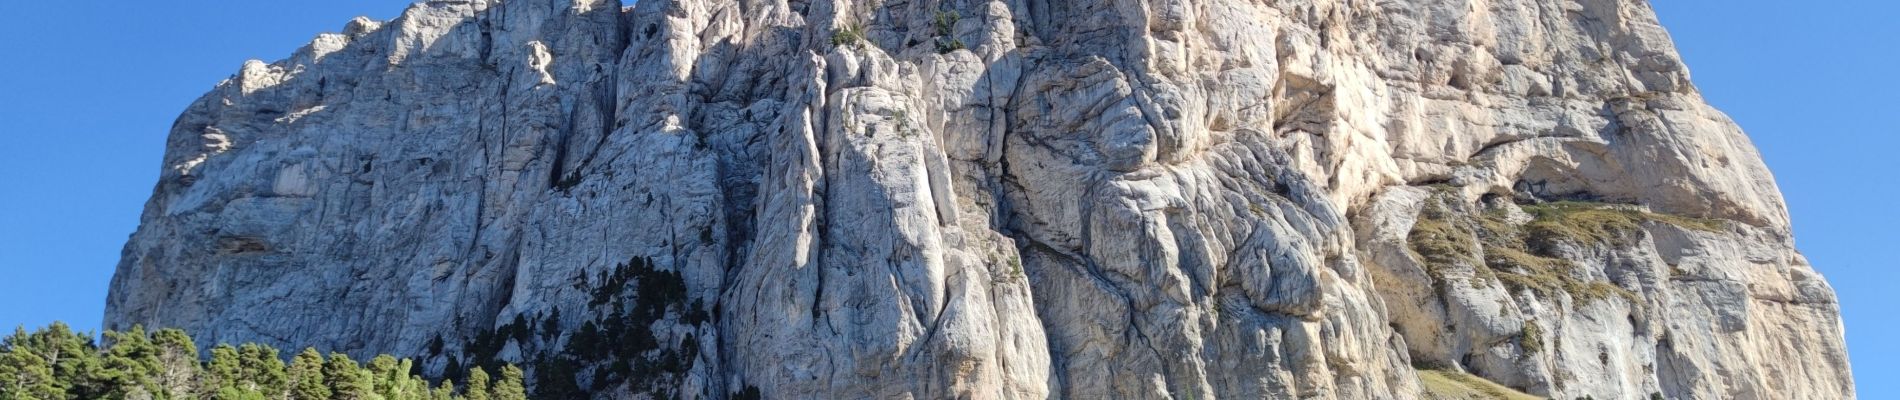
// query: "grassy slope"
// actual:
[[1448, 385]]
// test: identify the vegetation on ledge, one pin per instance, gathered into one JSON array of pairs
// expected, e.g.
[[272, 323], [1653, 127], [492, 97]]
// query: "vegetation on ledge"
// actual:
[[1526, 256], [617, 342], [1452, 385], [1600, 223]]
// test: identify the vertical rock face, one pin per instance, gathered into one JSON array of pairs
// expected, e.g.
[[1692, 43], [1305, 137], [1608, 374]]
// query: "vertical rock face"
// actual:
[[993, 200]]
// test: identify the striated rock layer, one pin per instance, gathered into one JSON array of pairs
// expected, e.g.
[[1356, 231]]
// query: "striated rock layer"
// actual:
[[1005, 199]]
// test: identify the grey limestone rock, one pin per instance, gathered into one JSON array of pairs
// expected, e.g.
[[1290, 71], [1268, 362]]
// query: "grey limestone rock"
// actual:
[[1002, 199]]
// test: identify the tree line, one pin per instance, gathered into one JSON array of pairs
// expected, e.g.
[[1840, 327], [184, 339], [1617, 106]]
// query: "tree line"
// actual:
[[56, 363]]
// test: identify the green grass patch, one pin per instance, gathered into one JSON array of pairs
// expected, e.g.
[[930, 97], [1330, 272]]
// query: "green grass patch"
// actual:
[[1522, 256], [1450, 385], [1600, 223]]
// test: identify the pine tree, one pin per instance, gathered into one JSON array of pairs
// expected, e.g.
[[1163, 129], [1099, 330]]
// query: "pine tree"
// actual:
[[555, 378], [510, 386], [49, 363], [417, 388], [477, 385], [264, 371], [177, 367], [389, 376], [24, 374], [551, 327], [306, 377], [231, 393], [131, 365], [520, 330], [444, 392], [74, 358], [223, 373], [393, 381], [749, 393], [453, 370], [347, 380], [137, 393]]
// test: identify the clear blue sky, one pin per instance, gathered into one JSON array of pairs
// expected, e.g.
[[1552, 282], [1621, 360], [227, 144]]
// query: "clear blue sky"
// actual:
[[88, 90]]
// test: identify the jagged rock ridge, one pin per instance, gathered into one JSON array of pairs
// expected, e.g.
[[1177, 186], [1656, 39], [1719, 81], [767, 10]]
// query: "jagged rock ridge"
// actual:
[[994, 199]]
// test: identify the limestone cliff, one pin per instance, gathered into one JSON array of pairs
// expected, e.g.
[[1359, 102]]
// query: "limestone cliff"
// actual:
[[994, 199]]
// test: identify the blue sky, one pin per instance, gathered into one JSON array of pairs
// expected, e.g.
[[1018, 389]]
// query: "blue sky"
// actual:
[[88, 90]]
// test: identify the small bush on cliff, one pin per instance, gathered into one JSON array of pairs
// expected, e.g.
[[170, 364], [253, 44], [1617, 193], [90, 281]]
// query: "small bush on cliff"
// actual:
[[1531, 339], [848, 35], [946, 22]]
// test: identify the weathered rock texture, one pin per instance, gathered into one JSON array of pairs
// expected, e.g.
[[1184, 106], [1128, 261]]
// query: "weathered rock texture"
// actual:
[[1001, 199]]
